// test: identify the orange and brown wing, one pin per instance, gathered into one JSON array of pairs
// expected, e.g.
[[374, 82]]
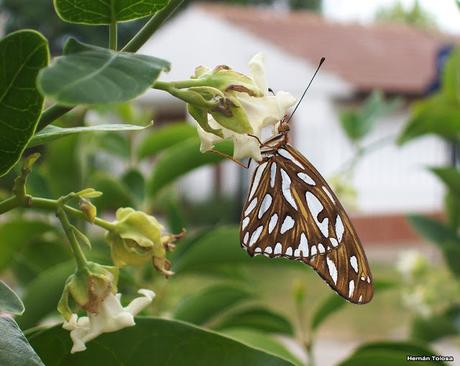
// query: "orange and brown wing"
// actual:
[[292, 212]]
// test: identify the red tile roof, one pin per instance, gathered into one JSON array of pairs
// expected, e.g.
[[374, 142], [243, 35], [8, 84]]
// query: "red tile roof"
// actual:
[[391, 57]]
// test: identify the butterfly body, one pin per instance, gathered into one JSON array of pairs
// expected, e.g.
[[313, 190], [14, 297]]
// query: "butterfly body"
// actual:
[[292, 212]]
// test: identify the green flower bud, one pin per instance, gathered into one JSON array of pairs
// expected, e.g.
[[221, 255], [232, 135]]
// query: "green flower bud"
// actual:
[[88, 287], [88, 209], [136, 239]]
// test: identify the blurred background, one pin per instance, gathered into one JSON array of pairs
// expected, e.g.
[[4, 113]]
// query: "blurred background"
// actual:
[[373, 123]]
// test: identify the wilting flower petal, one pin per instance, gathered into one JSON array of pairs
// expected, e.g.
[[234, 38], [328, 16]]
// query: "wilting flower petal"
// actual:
[[110, 317]]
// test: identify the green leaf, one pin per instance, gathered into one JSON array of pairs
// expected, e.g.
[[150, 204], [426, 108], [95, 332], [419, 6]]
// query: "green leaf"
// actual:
[[257, 318], [43, 293], [433, 230], [151, 341], [134, 180], [22, 55], [389, 353], [9, 301], [165, 137], [116, 194], [88, 74], [334, 303], [14, 348], [450, 177], [434, 115], [451, 76], [329, 306], [262, 341], [115, 144], [201, 307], [181, 159], [106, 11], [437, 327], [51, 133], [452, 209], [17, 234], [215, 248]]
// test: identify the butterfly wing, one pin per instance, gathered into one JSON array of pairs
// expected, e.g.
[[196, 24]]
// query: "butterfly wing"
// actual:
[[292, 212]]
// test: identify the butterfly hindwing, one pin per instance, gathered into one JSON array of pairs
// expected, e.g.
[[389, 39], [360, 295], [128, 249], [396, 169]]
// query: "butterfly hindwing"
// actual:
[[292, 212]]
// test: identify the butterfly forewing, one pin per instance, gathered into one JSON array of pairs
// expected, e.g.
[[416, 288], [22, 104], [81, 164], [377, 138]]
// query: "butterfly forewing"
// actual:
[[292, 212]]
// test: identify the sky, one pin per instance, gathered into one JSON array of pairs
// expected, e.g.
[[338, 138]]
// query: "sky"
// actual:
[[445, 12]]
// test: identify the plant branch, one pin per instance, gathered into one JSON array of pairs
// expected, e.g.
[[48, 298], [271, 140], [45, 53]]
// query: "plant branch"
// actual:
[[151, 26], [67, 226], [54, 112]]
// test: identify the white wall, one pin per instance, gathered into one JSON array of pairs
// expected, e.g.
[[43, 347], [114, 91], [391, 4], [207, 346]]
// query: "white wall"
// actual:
[[392, 179]]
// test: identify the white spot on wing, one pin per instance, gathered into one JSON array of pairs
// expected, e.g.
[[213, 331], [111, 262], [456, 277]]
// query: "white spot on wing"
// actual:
[[334, 242], [360, 298], [252, 205], [245, 223], [257, 175], [306, 178], [258, 250], [278, 248], [246, 238], [351, 288], [329, 194], [286, 188], [316, 207], [288, 224], [332, 269], [339, 229], [354, 263], [265, 205], [268, 250], [272, 175], [288, 251], [321, 248], [272, 223], [285, 154], [313, 250], [303, 245], [255, 235]]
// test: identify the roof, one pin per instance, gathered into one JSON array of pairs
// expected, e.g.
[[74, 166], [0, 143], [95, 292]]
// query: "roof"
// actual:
[[391, 57]]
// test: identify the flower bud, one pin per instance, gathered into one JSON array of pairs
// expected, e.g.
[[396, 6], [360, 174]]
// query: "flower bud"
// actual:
[[88, 287], [88, 209]]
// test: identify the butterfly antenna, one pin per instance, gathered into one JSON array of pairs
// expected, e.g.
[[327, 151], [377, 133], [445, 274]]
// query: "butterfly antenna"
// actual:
[[306, 89]]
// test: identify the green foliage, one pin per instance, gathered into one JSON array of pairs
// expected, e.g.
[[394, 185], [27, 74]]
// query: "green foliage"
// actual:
[[106, 11], [14, 348], [358, 123], [440, 113], [116, 193], [165, 137], [450, 177], [437, 326], [155, 340], [181, 159], [9, 301], [22, 55], [257, 318], [51, 133], [415, 15], [88, 74], [203, 306], [262, 341]]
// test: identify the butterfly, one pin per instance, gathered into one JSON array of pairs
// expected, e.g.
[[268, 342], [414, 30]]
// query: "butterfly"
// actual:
[[292, 212]]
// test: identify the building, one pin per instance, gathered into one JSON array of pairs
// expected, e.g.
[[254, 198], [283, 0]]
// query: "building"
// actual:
[[396, 59]]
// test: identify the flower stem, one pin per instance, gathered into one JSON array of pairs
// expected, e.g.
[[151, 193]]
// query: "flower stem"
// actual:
[[152, 26], [53, 205], [76, 249]]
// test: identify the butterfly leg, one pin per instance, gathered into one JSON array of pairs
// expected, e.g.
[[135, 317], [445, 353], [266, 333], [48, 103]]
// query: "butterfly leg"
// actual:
[[224, 155]]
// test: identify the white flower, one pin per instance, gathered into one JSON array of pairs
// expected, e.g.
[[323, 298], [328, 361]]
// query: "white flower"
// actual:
[[261, 111], [110, 317], [410, 262]]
